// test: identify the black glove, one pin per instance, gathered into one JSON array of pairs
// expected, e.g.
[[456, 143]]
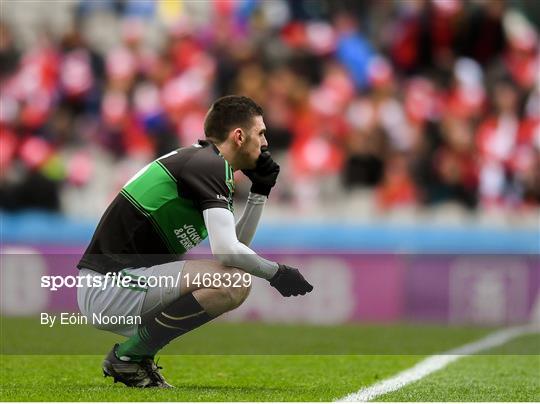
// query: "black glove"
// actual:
[[290, 282], [263, 177]]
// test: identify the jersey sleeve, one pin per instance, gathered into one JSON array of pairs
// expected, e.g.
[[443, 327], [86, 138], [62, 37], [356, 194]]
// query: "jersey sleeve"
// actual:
[[209, 181]]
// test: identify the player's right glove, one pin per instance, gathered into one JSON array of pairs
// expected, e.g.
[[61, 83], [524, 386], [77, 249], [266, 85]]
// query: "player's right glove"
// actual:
[[290, 282], [263, 177]]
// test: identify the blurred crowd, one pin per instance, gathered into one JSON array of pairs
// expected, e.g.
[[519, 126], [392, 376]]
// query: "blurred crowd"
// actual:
[[421, 101]]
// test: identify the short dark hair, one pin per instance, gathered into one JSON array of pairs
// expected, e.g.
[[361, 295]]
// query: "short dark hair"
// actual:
[[229, 112]]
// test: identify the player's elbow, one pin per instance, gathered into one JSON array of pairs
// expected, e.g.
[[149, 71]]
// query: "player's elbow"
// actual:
[[223, 259], [226, 258]]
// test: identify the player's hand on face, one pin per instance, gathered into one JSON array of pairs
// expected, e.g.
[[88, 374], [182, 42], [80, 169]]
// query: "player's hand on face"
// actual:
[[290, 282], [263, 177]]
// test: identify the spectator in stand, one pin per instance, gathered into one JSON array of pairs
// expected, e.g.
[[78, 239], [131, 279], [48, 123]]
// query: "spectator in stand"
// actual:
[[481, 36], [455, 164], [9, 55], [496, 142], [525, 161]]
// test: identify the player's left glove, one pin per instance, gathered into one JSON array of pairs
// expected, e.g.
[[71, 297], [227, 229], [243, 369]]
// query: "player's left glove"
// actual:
[[263, 177], [290, 282]]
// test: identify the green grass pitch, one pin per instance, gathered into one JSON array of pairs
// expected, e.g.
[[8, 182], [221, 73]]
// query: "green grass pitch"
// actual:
[[279, 363]]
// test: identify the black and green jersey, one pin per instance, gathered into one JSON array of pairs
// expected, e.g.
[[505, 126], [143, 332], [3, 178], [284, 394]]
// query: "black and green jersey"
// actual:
[[157, 216]]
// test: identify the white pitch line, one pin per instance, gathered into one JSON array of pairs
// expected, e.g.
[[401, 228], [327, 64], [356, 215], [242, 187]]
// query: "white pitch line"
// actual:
[[436, 362]]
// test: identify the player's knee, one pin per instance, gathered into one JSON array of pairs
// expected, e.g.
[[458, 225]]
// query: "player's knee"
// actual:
[[240, 294], [235, 294]]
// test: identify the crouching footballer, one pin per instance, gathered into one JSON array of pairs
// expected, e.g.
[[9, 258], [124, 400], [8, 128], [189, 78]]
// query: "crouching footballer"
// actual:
[[167, 208]]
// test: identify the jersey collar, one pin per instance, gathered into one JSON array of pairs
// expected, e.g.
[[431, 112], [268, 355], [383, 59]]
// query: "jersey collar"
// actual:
[[206, 143]]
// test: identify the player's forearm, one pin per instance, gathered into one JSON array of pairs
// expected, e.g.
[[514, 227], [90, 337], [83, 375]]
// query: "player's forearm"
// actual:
[[231, 252], [247, 225]]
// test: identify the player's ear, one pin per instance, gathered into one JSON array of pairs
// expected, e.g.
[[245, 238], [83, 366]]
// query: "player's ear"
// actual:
[[239, 137]]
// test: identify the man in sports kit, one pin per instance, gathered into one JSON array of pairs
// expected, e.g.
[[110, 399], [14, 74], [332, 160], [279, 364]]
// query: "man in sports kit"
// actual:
[[168, 207]]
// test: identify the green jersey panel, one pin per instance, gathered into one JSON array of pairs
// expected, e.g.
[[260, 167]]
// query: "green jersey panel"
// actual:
[[177, 220]]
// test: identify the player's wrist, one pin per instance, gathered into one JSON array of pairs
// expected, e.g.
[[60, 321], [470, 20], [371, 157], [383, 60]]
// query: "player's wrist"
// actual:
[[256, 199], [279, 271]]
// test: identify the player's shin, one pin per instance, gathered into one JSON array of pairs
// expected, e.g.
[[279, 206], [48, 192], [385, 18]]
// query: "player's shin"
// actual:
[[181, 316]]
